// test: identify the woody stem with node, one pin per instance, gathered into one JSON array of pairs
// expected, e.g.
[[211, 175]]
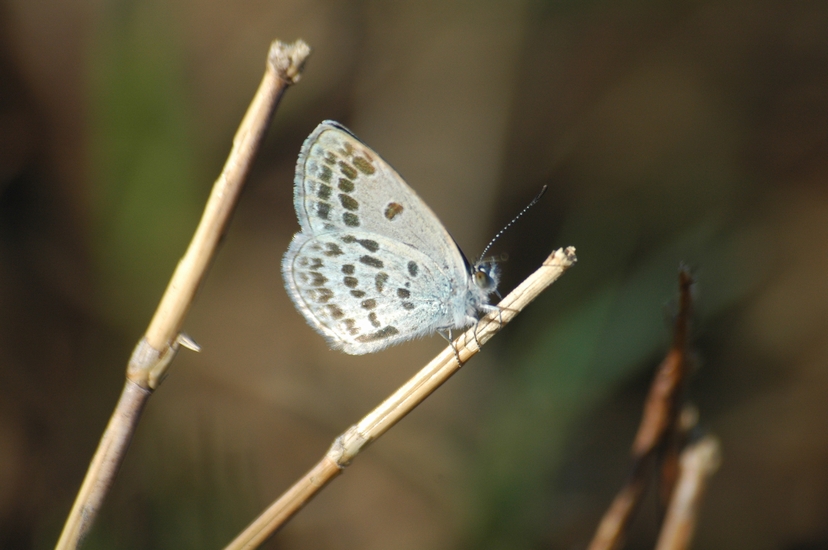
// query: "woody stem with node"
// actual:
[[400, 403], [158, 346]]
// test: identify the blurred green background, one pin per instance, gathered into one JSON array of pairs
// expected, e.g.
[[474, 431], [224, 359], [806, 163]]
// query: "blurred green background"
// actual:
[[669, 133]]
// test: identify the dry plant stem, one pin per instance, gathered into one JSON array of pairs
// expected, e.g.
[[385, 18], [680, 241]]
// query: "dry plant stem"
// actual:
[[157, 348], [399, 404], [105, 463], [658, 423], [284, 63], [662, 405], [613, 526], [697, 463]]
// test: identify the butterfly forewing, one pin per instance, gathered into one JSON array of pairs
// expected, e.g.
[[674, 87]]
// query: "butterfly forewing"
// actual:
[[342, 185]]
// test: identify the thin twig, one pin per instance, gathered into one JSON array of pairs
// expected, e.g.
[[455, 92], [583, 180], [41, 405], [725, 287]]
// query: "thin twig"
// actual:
[[658, 424], [697, 463], [156, 349], [399, 404]]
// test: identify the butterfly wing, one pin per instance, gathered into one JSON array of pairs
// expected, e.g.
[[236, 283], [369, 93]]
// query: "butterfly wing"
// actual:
[[373, 266], [362, 292], [342, 185]]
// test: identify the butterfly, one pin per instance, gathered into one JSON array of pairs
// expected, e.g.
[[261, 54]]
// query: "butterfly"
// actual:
[[372, 265]]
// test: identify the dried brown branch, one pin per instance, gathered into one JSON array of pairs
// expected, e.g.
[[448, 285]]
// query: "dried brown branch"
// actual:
[[403, 401], [697, 463], [152, 355], [658, 428]]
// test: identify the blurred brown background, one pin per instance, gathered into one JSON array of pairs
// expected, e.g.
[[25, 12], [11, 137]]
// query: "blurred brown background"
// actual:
[[690, 132]]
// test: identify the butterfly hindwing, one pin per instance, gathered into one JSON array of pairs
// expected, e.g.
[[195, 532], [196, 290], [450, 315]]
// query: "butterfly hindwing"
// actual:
[[359, 293]]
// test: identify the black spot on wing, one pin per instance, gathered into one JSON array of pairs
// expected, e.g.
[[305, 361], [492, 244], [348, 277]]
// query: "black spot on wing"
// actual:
[[325, 174], [332, 250], [374, 320], [350, 219], [324, 192], [321, 295], [381, 334], [380, 280], [335, 311], [350, 326], [367, 244], [372, 261], [392, 210], [364, 165], [345, 185], [323, 210], [348, 202], [347, 170], [317, 279]]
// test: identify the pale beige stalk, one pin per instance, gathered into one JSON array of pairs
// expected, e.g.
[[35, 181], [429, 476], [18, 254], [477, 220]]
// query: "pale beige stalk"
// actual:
[[403, 401], [152, 355]]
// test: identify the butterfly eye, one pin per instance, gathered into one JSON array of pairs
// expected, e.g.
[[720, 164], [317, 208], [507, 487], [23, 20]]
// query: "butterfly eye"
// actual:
[[482, 279]]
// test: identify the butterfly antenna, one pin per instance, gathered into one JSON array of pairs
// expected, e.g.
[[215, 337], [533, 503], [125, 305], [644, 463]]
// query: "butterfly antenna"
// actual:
[[508, 225]]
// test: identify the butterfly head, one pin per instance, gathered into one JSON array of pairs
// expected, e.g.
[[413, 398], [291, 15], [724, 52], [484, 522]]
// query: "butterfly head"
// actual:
[[485, 272], [486, 275]]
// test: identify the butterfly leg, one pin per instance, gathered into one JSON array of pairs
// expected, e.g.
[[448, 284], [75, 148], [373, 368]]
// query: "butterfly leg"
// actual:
[[482, 312], [474, 332], [499, 316], [446, 333], [485, 310], [489, 309]]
